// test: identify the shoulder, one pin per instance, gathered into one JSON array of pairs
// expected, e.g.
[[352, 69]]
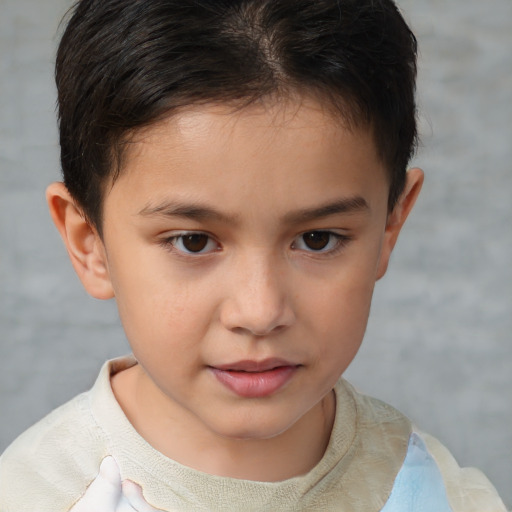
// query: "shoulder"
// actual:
[[426, 475], [468, 489], [28, 470]]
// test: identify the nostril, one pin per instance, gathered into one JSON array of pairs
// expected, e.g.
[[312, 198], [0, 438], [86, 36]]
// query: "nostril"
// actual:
[[259, 305]]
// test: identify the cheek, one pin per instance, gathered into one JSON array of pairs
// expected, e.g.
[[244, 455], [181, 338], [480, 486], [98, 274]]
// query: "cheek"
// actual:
[[164, 331], [345, 299], [338, 313], [157, 307]]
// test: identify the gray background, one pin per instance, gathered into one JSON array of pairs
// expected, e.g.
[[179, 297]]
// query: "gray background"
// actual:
[[438, 345]]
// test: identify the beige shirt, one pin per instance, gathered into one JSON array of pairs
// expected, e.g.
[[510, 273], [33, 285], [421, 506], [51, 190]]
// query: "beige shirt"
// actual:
[[51, 466]]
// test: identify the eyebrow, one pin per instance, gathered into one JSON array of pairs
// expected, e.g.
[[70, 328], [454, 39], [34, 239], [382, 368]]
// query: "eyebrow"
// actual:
[[201, 212], [187, 210], [347, 205]]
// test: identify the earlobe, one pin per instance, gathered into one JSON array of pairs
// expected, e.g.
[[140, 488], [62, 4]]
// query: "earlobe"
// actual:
[[84, 245], [396, 219]]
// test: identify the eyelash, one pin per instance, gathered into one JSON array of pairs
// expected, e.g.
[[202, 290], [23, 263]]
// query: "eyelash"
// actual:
[[341, 240], [171, 242]]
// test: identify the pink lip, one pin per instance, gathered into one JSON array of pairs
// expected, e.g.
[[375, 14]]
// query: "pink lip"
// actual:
[[255, 379]]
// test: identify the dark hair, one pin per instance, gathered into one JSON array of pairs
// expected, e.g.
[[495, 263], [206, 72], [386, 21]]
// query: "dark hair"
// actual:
[[124, 64]]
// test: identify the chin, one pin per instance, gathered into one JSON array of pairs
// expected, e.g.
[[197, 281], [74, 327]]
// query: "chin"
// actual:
[[253, 429]]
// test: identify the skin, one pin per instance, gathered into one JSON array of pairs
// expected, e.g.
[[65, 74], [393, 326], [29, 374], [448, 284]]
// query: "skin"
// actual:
[[254, 181]]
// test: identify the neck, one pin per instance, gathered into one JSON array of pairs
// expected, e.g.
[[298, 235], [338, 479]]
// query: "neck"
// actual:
[[292, 453]]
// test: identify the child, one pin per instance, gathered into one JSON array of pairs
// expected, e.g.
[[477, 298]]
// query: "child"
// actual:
[[235, 176]]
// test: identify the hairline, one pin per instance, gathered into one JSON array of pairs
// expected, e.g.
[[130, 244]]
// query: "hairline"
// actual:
[[342, 111]]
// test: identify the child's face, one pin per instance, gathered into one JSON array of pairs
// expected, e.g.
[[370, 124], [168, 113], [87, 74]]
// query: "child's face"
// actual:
[[243, 248]]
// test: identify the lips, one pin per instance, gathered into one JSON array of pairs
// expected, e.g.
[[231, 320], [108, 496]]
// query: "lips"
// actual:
[[255, 366], [255, 379]]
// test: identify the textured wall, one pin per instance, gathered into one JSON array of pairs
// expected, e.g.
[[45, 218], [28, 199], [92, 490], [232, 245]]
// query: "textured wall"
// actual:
[[438, 345]]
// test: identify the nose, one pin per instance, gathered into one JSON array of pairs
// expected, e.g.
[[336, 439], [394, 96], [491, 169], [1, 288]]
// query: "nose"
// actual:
[[257, 301]]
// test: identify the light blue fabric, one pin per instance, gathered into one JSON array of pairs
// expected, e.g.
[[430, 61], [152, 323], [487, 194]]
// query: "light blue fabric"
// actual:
[[419, 486]]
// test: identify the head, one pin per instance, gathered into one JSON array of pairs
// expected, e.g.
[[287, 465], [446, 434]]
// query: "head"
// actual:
[[124, 65], [235, 175]]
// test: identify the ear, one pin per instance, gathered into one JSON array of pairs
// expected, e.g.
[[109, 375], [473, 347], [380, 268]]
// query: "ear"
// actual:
[[84, 245], [396, 219]]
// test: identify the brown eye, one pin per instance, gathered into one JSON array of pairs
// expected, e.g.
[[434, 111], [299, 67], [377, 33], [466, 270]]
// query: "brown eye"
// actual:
[[194, 242], [316, 240]]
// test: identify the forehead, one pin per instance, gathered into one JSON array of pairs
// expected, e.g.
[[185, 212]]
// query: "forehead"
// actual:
[[266, 153]]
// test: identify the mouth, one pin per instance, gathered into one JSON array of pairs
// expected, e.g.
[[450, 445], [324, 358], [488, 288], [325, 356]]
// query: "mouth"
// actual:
[[250, 366], [255, 379]]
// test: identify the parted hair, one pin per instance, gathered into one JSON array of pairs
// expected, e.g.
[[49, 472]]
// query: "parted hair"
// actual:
[[125, 64]]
